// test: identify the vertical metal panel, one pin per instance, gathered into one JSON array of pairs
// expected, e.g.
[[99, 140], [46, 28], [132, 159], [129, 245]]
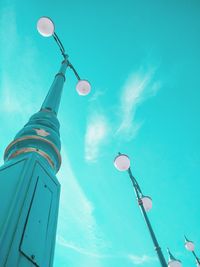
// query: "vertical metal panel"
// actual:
[[10, 178], [39, 230], [36, 229], [28, 238], [12, 187]]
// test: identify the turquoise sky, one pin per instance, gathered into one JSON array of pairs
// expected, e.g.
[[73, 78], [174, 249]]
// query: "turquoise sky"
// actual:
[[142, 58]]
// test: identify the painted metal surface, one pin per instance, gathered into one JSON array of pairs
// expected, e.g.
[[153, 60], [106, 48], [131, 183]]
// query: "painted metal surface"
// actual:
[[28, 231]]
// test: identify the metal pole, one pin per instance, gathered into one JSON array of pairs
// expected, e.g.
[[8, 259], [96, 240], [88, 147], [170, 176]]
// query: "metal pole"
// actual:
[[197, 259], [152, 234]]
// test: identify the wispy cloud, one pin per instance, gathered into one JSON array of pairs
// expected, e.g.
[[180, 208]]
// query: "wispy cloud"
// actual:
[[8, 33], [14, 101], [78, 230], [18, 76], [96, 95], [139, 260], [96, 133], [83, 251], [17, 89], [76, 219], [138, 87], [135, 259]]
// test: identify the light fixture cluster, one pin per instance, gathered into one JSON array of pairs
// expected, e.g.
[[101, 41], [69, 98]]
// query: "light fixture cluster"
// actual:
[[122, 163], [46, 28]]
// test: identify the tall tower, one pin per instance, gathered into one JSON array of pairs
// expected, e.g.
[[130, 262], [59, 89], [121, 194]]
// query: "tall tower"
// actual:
[[29, 188]]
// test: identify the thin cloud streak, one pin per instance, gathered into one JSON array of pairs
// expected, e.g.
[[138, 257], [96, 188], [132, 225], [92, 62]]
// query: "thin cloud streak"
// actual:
[[14, 101], [8, 34], [138, 260], [96, 95], [138, 88], [77, 225], [17, 89], [135, 259], [69, 245], [96, 133]]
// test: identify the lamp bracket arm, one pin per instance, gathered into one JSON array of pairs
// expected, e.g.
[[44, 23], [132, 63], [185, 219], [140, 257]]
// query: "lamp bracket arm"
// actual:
[[136, 184], [60, 45], [74, 70]]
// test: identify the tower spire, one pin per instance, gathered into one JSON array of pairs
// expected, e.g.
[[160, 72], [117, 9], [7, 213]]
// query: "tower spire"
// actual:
[[41, 133]]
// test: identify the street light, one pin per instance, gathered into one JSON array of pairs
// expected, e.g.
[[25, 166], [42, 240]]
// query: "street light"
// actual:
[[29, 187], [189, 245], [46, 28], [122, 163], [173, 262]]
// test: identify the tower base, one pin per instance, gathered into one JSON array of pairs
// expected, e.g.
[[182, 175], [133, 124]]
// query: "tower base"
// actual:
[[28, 212]]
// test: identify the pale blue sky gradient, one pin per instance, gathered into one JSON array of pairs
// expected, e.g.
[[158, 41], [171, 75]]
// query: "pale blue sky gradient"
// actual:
[[143, 59]]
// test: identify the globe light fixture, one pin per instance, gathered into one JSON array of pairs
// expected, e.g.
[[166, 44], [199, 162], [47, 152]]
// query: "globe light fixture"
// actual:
[[189, 245], [147, 203], [122, 162], [173, 262], [83, 87], [45, 26]]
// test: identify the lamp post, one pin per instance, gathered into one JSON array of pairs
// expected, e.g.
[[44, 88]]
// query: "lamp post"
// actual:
[[122, 163], [189, 245], [29, 187], [46, 28]]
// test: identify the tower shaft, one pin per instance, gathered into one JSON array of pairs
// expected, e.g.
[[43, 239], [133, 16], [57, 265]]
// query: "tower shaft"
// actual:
[[29, 188]]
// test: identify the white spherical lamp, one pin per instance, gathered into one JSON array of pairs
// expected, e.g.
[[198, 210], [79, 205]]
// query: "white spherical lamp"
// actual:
[[83, 87], [174, 263], [189, 245], [45, 26], [147, 203], [122, 162]]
